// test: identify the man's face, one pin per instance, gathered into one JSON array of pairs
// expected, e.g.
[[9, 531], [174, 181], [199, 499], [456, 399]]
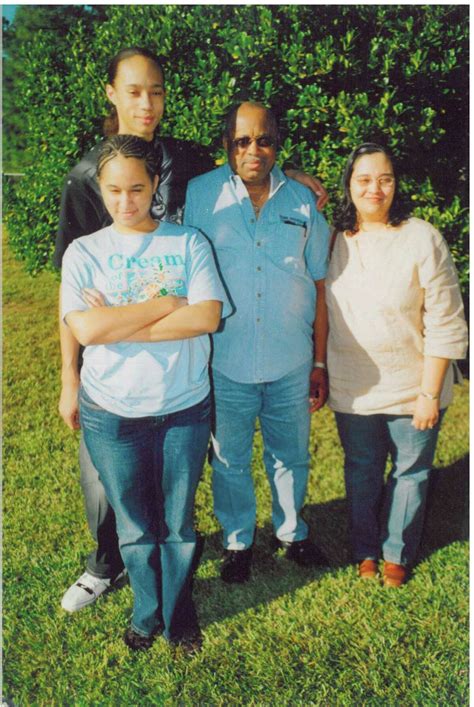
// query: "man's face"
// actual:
[[138, 95], [252, 162]]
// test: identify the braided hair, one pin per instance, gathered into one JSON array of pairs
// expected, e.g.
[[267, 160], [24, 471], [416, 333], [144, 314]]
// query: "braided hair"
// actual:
[[129, 146]]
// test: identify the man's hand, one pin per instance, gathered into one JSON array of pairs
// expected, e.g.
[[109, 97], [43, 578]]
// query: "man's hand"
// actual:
[[312, 183], [69, 405], [318, 389]]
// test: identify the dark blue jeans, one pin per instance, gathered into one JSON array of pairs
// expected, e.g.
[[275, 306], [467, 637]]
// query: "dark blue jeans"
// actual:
[[387, 521], [150, 468]]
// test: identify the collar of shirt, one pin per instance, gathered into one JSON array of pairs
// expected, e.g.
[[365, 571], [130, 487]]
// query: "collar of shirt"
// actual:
[[277, 180]]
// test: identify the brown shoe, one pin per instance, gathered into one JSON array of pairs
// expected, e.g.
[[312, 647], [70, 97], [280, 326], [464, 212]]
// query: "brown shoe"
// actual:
[[368, 569], [394, 575]]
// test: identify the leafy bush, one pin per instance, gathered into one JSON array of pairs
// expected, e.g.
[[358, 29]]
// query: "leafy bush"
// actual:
[[336, 76]]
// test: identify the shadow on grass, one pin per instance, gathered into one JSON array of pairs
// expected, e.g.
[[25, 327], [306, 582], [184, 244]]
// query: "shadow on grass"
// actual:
[[272, 575], [447, 516], [447, 521]]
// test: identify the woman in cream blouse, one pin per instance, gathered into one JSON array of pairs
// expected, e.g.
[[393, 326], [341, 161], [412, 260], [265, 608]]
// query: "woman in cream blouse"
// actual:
[[396, 326]]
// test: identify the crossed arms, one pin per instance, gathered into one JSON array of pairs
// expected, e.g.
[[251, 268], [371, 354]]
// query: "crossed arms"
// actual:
[[160, 319], [164, 319]]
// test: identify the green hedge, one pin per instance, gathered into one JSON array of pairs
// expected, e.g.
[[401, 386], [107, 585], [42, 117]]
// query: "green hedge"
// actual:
[[336, 75]]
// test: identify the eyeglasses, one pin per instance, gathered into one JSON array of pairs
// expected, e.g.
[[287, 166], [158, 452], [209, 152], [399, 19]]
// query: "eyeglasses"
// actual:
[[262, 141], [386, 181]]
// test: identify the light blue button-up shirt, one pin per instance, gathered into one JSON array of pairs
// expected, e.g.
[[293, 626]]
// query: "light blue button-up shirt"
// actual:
[[268, 265]]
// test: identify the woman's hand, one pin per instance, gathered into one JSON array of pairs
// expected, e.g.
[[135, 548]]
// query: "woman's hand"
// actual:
[[93, 297], [426, 413], [68, 403], [101, 324]]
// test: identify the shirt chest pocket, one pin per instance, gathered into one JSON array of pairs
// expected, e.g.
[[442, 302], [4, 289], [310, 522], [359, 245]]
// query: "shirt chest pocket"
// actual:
[[286, 244]]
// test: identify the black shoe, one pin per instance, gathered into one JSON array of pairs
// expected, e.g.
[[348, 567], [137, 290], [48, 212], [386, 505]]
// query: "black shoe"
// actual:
[[236, 566], [189, 643], [136, 642], [304, 553]]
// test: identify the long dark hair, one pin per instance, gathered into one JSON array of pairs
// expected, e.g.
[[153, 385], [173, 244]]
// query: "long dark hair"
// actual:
[[129, 146], [111, 124], [345, 218]]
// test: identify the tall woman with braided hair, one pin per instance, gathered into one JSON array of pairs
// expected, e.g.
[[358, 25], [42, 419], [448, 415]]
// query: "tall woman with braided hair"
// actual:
[[142, 297]]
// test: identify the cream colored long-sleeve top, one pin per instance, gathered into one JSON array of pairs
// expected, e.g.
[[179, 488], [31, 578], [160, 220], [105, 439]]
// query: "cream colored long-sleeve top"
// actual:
[[393, 297]]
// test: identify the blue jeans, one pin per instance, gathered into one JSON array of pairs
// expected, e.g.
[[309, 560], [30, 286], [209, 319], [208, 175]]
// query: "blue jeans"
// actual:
[[105, 560], [150, 468], [282, 407], [386, 519]]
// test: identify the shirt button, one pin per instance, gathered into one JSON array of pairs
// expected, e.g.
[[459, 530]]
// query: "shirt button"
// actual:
[[259, 294], [252, 220], [258, 319], [259, 268]]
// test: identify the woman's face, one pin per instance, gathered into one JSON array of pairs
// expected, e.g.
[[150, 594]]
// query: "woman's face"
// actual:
[[127, 191], [138, 94], [372, 187]]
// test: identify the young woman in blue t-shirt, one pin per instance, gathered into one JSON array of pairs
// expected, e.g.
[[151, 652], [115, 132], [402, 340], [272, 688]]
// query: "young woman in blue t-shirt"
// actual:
[[144, 401]]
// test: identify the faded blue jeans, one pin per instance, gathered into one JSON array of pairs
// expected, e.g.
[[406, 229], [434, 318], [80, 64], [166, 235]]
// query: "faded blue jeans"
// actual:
[[150, 468], [282, 406], [386, 520]]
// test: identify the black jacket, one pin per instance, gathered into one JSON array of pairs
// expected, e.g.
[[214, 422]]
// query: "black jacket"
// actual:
[[83, 211]]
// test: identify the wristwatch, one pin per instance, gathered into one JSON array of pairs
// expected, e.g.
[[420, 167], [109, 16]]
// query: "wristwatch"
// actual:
[[430, 396]]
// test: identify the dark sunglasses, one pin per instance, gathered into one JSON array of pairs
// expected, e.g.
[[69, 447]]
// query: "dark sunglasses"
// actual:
[[262, 141]]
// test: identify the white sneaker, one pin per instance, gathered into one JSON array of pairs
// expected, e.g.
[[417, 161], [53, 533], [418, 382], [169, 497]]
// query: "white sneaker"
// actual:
[[85, 591]]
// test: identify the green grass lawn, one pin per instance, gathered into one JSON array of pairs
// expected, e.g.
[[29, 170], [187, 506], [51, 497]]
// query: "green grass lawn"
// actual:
[[288, 637]]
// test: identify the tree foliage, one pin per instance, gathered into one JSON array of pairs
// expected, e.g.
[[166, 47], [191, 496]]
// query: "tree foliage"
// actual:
[[336, 76], [31, 21]]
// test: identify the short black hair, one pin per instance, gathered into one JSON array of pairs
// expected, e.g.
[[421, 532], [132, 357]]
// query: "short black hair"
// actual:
[[230, 120]]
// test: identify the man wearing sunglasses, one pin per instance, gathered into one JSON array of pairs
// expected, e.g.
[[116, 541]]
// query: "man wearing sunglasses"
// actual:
[[269, 357]]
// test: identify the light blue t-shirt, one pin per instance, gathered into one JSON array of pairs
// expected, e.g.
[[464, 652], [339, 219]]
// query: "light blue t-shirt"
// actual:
[[140, 379], [268, 265]]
